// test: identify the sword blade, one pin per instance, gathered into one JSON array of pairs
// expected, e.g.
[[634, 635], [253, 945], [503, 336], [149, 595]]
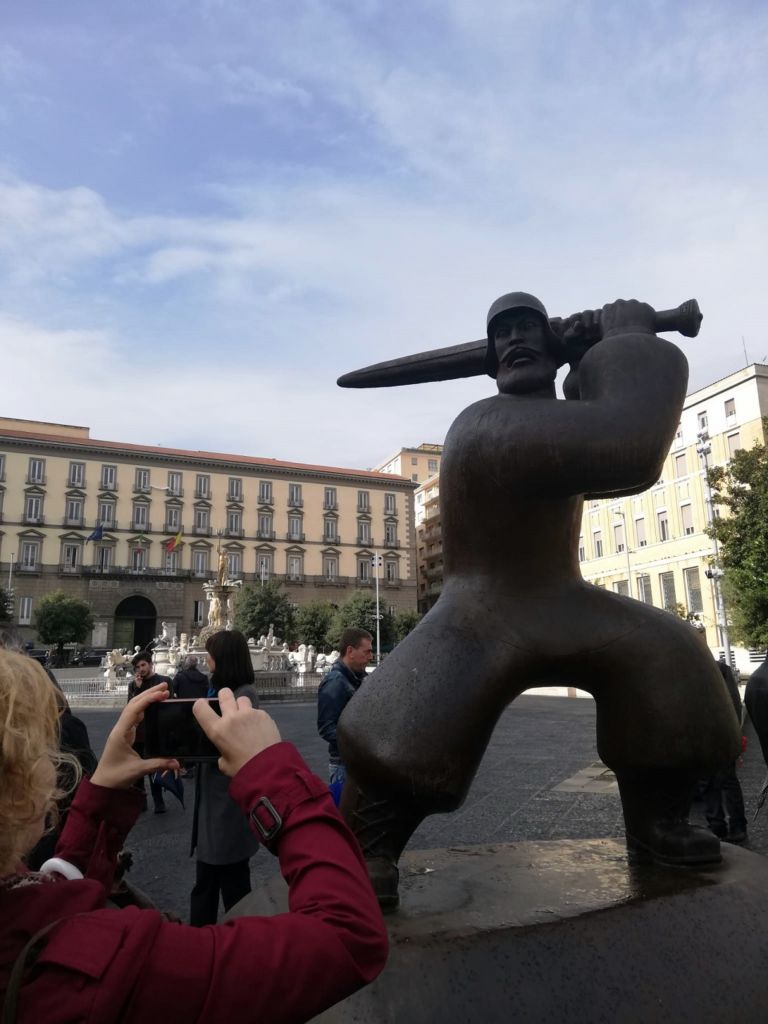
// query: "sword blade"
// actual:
[[449, 363]]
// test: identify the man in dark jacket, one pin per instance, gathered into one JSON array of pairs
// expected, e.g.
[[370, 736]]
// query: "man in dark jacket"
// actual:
[[722, 793], [145, 677], [337, 689], [190, 683]]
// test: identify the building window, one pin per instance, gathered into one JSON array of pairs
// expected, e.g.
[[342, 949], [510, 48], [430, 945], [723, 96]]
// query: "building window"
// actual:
[[390, 534], [415, 477], [295, 567], [33, 508], [36, 474], [686, 515], [363, 531], [77, 474], [198, 613], [618, 537], [202, 485], [663, 525], [390, 571], [172, 560], [200, 562], [175, 484], [329, 497], [330, 567], [702, 422], [294, 528], [432, 466], [265, 525], [70, 556], [390, 504], [25, 611], [693, 589], [103, 557], [734, 444], [363, 501], [329, 530], [644, 588], [141, 480], [108, 478], [172, 517], [2, 467], [30, 554], [679, 435], [107, 513], [202, 520], [74, 510], [265, 492], [140, 516], [235, 489], [730, 410], [640, 533], [622, 587], [264, 565], [234, 564], [582, 550], [294, 494], [234, 522], [667, 586], [363, 568], [681, 467], [138, 559], [597, 543]]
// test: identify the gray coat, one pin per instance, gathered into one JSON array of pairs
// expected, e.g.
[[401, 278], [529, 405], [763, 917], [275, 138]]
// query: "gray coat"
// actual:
[[220, 830]]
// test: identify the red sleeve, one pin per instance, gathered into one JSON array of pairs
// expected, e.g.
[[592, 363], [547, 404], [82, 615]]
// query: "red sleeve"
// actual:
[[97, 823], [289, 967]]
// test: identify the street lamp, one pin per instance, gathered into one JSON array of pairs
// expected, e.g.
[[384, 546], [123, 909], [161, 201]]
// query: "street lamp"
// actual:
[[376, 561], [626, 548], [715, 573]]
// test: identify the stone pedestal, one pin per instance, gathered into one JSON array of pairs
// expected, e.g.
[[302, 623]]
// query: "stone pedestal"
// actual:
[[566, 932]]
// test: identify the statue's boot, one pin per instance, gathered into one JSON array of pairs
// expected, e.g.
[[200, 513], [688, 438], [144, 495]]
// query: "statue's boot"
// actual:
[[382, 826], [656, 805]]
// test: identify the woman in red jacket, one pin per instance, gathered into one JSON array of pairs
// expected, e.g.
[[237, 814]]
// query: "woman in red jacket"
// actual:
[[99, 965]]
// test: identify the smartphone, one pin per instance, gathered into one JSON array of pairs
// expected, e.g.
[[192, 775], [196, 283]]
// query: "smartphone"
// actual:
[[171, 730]]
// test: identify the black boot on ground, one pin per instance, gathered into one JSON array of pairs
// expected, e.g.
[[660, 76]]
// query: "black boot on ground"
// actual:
[[656, 806], [382, 827]]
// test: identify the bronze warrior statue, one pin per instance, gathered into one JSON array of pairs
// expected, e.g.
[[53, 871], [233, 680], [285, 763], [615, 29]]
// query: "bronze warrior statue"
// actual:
[[514, 611]]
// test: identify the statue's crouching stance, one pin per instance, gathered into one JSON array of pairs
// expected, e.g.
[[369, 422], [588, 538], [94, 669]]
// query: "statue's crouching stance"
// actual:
[[515, 613]]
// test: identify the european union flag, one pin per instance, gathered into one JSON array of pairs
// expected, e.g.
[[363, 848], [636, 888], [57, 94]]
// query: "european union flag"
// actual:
[[97, 534]]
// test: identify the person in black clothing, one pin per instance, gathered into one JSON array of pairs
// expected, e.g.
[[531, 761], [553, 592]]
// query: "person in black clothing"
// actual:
[[756, 699], [145, 677], [721, 792], [190, 683]]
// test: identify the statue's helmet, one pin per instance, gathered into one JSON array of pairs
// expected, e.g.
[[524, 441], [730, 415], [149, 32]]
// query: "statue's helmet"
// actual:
[[507, 304]]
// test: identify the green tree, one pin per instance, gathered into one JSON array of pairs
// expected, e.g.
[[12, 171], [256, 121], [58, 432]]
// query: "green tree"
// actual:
[[741, 488], [259, 606], [5, 605], [405, 621], [312, 623], [360, 611], [60, 619]]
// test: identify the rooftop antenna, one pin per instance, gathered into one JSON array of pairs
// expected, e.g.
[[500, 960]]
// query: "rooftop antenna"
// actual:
[[744, 346]]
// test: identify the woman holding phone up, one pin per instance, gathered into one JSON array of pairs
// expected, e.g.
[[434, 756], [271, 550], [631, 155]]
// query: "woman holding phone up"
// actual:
[[220, 834], [65, 956]]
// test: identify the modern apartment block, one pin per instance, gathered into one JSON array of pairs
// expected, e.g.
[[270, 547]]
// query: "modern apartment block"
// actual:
[[415, 464], [315, 528], [651, 545]]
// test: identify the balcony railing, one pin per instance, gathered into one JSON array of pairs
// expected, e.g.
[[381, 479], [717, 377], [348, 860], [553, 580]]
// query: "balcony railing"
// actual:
[[364, 542], [236, 496], [295, 502], [265, 499], [265, 534], [76, 521], [203, 493], [70, 570], [130, 570], [142, 489], [202, 531], [295, 537], [141, 527], [34, 520], [29, 567], [331, 538], [175, 492], [36, 481], [330, 506], [234, 533], [108, 524], [106, 485], [80, 484], [172, 528]]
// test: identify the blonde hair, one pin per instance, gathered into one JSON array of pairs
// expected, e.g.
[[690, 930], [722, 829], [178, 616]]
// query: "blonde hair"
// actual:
[[29, 734]]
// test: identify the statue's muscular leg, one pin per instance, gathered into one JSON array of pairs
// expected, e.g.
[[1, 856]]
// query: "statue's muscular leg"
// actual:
[[664, 719], [414, 735]]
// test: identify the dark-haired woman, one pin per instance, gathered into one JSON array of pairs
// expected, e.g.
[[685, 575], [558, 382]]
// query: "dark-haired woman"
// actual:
[[220, 834]]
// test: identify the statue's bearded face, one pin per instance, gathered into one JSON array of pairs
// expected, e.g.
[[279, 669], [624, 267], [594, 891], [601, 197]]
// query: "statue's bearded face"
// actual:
[[526, 360]]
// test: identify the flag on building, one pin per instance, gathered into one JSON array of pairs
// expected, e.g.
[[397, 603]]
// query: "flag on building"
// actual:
[[97, 534], [173, 543]]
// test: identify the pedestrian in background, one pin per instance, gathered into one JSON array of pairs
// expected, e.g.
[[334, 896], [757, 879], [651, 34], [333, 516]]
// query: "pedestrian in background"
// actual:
[[190, 683], [145, 678], [221, 836]]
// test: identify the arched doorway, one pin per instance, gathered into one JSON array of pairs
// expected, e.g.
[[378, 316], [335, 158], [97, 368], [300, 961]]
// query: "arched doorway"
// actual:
[[135, 622]]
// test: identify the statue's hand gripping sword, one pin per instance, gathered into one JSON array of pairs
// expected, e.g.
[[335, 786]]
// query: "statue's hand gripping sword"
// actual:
[[468, 360]]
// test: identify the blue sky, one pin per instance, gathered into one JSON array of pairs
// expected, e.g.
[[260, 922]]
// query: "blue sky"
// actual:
[[209, 209]]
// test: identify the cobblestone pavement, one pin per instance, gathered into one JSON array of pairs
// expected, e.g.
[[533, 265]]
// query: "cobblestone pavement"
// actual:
[[539, 744]]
